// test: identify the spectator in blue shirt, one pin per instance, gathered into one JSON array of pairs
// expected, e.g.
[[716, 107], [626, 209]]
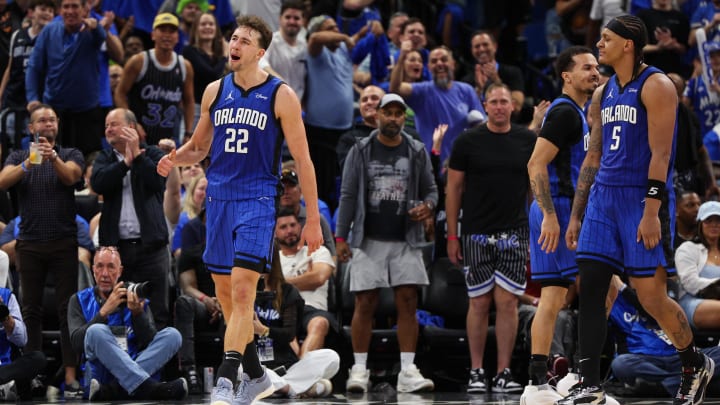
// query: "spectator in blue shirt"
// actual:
[[63, 61]]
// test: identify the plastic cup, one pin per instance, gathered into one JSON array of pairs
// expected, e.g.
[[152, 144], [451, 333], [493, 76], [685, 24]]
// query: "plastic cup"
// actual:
[[36, 157], [413, 203]]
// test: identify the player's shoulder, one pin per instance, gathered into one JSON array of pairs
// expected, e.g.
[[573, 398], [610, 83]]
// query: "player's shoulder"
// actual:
[[658, 87]]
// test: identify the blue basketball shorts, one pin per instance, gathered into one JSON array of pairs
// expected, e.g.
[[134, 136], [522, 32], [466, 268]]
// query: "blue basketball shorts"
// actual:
[[558, 266], [240, 234], [609, 231]]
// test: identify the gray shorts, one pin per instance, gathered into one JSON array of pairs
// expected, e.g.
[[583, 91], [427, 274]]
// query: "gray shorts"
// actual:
[[379, 264]]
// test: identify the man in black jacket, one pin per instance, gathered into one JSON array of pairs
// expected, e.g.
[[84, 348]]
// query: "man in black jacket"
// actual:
[[132, 215]]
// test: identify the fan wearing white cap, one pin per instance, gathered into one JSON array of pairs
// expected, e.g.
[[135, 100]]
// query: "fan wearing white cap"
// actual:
[[387, 194]]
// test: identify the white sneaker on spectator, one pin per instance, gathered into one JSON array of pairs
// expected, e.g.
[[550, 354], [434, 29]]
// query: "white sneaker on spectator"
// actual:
[[358, 380], [410, 380], [321, 389]]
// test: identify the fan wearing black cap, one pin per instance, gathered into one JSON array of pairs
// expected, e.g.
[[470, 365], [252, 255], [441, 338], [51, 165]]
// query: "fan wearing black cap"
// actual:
[[291, 198], [626, 221]]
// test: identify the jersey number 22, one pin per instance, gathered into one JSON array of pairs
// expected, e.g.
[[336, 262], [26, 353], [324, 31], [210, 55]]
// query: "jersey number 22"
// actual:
[[236, 141]]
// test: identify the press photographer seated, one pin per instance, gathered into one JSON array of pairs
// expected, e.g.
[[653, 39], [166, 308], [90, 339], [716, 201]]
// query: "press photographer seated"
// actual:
[[16, 370], [114, 330]]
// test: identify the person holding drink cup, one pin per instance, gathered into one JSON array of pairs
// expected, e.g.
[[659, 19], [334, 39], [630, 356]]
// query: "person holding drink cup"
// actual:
[[47, 242], [387, 193]]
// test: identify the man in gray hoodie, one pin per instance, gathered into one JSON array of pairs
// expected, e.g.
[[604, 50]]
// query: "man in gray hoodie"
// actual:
[[387, 193]]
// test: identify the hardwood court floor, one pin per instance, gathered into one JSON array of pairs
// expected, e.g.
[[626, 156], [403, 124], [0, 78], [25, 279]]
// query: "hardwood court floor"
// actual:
[[391, 399]]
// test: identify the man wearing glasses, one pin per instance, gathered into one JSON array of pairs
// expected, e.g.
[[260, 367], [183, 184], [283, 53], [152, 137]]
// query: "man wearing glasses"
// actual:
[[44, 179], [114, 330]]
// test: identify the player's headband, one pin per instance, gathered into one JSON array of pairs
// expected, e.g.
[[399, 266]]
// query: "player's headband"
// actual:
[[619, 28]]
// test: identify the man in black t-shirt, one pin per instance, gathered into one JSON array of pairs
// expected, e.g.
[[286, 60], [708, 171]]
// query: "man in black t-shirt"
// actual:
[[488, 179]]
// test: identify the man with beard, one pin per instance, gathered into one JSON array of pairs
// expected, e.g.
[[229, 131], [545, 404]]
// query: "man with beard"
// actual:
[[686, 223], [309, 273], [488, 179], [388, 191], [440, 101], [47, 242]]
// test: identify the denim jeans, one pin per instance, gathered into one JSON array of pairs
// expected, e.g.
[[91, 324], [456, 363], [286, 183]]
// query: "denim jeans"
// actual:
[[106, 360], [663, 369]]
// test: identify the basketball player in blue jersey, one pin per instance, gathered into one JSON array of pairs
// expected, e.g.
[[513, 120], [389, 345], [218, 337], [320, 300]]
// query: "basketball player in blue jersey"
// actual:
[[626, 225], [243, 118], [553, 169]]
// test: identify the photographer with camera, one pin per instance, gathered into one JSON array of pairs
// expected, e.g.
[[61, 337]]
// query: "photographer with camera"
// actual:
[[20, 369], [111, 325]]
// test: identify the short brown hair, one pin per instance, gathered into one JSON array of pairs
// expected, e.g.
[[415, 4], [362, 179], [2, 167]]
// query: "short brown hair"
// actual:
[[258, 24]]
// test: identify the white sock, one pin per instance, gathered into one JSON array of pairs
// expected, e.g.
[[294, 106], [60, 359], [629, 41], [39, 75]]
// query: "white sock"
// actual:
[[407, 359], [360, 360]]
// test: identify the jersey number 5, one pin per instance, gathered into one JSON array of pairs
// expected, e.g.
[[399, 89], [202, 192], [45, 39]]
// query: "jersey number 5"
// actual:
[[615, 138], [236, 141]]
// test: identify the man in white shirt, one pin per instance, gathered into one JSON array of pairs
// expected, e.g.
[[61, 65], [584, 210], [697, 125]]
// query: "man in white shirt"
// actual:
[[310, 275], [288, 50]]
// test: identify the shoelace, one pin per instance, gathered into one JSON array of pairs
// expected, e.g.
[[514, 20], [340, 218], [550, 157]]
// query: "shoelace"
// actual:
[[686, 381], [223, 390]]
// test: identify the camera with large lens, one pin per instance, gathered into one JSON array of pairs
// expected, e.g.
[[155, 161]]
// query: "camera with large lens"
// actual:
[[142, 290]]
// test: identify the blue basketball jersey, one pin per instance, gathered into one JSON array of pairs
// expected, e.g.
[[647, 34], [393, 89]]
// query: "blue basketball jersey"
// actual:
[[564, 170], [625, 148], [705, 107], [247, 140]]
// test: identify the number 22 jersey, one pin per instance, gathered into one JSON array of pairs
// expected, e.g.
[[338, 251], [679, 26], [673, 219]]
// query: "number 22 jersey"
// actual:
[[247, 140]]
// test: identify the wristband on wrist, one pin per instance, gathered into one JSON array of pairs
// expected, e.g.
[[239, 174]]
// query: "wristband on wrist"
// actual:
[[435, 152], [452, 237], [202, 298], [23, 167], [655, 189], [339, 239]]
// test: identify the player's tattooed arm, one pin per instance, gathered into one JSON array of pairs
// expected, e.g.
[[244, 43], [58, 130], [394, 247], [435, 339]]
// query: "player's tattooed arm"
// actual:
[[591, 164], [541, 188]]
